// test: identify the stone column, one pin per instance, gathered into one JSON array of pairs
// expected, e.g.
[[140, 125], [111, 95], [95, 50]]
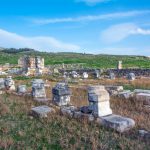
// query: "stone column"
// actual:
[[119, 65], [38, 89], [98, 99], [61, 94]]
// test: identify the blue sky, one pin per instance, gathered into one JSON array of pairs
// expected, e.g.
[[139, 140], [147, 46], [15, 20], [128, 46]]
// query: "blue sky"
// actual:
[[91, 26]]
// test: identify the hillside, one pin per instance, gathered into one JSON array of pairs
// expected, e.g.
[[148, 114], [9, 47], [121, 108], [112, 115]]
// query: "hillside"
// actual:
[[95, 61]]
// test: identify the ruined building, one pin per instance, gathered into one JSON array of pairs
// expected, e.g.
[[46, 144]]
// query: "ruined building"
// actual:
[[31, 65]]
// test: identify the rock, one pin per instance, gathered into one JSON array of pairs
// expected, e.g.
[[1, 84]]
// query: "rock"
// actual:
[[125, 94], [98, 99], [38, 89], [68, 111], [22, 89], [82, 116], [112, 76], [136, 91], [85, 75], [114, 90], [144, 134], [131, 76], [143, 97], [9, 84], [61, 94], [116, 122], [42, 111]]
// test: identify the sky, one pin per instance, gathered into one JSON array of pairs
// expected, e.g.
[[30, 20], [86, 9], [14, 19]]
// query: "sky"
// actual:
[[120, 27]]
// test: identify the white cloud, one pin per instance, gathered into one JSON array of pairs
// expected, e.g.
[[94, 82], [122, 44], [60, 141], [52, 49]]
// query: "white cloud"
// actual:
[[119, 32], [91, 17], [8, 39], [92, 2]]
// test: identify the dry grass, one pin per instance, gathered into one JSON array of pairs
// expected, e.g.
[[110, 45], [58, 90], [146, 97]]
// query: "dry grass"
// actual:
[[18, 130]]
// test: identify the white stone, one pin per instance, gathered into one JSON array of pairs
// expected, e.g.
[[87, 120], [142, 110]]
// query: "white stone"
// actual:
[[98, 99], [61, 94], [114, 90], [22, 89], [85, 75], [116, 122], [38, 89], [9, 84], [42, 111]]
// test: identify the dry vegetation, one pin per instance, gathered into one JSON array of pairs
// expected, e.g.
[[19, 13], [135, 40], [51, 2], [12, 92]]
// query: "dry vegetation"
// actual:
[[18, 130]]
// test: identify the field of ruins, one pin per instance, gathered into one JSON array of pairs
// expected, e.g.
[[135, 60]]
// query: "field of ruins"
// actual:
[[47, 104]]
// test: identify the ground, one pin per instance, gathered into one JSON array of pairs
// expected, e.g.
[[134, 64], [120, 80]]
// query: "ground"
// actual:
[[19, 130]]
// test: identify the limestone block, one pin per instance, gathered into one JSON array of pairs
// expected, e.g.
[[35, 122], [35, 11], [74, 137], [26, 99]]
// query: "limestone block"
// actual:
[[143, 97], [141, 91], [125, 94], [42, 111], [116, 122], [22, 89]]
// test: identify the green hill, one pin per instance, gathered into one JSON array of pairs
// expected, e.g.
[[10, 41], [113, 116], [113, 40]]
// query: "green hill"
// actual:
[[93, 61]]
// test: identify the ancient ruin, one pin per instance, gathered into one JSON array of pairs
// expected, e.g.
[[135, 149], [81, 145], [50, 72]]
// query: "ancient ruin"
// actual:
[[38, 90], [61, 94], [9, 84], [98, 99]]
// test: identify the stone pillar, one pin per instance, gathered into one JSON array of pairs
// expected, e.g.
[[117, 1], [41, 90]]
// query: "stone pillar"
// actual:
[[98, 99], [9, 83], [119, 65], [38, 88], [61, 94]]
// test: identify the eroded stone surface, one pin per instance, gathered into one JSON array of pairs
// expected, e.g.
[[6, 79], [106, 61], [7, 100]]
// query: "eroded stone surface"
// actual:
[[114, 90], [125, 94], [42, 111], [68, 111], [143, 97], [22, 89], [9, 84], [98, 99], [2, 83], [141, 91], [38, 88], [61, 94], [116, 122]]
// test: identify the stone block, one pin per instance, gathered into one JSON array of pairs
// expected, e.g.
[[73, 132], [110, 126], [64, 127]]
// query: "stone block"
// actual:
[[116, 122], [125, 94], [143, 97], [42, 111]]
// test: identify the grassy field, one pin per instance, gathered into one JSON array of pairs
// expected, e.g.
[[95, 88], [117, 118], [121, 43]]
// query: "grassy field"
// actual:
[[19, 130], [92, 61]]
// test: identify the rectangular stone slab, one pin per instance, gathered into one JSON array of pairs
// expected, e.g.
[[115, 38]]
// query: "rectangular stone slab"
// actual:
[[42, 111], [116, 122], [145, 97]]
